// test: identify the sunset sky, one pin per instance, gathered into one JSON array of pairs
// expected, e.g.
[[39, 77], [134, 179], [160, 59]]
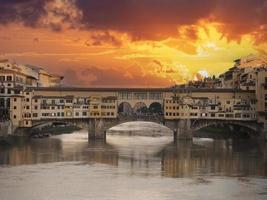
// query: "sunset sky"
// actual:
[[132, 42]]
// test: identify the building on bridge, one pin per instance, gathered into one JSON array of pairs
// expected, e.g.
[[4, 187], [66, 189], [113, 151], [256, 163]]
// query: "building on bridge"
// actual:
[[37, 105]]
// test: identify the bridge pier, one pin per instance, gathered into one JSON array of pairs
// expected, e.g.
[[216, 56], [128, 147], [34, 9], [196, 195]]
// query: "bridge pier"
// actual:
[[184, 131], [181, 129], [96, 129], [263, 135]]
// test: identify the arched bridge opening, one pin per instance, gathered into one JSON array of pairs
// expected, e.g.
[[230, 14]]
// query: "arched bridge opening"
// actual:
[[140, 111], [140, 108], [42, 128], [155, 108], [125, 108], [225, 129], [139, 128]]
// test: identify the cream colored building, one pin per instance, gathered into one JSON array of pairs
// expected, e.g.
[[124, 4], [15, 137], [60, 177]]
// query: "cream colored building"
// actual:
[[223, 104], [37, 106]]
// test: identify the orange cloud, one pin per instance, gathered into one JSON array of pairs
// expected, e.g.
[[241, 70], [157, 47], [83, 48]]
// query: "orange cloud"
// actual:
[[136, 42]]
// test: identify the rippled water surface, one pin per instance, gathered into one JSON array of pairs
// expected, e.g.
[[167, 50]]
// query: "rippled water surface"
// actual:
[[68, 167]]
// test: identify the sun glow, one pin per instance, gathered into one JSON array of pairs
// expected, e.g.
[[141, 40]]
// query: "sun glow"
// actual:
[[173, 60]]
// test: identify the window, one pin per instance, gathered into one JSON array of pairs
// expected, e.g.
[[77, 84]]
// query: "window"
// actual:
[[35, 107], [229, 115], [15, 117], [15, 107], [27, 107], [27, 100], [15, 99], [2, 78], [9, 78], [238, 115], [246, 115], [36, 100], [2, 90], [35, 114], [84, 113], [8, 91]]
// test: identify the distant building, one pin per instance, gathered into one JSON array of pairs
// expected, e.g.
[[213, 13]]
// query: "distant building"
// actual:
[[16, 77]]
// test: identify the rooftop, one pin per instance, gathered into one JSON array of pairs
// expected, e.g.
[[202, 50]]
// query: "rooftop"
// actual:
[[170, 89]]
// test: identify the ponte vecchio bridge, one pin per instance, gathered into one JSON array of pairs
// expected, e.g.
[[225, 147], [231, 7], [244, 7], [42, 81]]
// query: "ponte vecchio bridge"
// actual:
[[183, 110]]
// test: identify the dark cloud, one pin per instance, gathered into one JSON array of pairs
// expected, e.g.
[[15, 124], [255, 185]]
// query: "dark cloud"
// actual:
[[26, 11], [144, 19], [159, 19], [103, 38], [240, 17]]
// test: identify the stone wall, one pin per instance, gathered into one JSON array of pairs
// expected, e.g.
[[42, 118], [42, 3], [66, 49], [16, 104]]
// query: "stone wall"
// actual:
[[5, 128]]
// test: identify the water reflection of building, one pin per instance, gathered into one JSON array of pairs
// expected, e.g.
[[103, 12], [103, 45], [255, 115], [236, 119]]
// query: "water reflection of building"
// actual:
[[185, 159], [54, 150], [101, 152], [217, 158]]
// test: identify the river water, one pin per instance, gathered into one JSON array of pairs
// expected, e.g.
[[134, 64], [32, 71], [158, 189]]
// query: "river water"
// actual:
[[68, 167]]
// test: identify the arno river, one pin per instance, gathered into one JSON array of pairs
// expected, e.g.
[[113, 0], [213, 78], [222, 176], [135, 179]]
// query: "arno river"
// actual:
[[68, 167]]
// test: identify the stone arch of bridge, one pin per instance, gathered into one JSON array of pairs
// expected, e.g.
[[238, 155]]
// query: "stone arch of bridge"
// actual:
[[199, 124], [112, 125], [78, 123]]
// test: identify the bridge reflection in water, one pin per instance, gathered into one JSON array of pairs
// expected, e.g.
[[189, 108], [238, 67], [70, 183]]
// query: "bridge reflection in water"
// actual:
[[182, 159]]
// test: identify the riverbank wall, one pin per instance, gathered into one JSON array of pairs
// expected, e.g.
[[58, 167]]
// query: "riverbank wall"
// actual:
[[6, 133]]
